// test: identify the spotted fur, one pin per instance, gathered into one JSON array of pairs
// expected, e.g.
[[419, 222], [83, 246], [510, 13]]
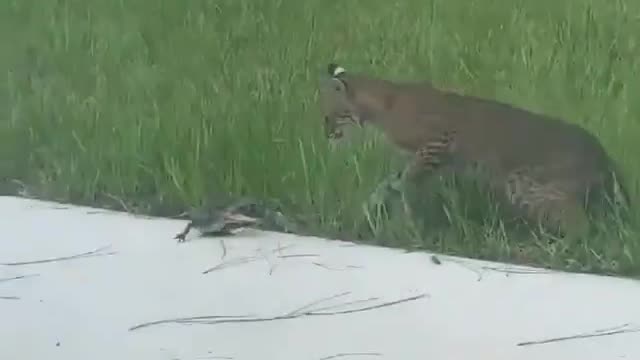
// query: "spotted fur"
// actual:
[[431, 156], [545, 167]]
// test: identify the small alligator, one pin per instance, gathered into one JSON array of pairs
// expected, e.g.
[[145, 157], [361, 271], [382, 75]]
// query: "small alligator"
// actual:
[[216, 221]]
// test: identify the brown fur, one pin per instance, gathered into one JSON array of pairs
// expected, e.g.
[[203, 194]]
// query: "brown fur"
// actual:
[[545, 167]]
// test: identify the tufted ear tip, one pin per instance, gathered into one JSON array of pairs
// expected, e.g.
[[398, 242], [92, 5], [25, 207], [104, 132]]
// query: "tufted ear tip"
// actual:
[[335, 70]]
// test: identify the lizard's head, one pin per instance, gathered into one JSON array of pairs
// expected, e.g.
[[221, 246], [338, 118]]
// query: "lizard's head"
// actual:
[[337, 102]]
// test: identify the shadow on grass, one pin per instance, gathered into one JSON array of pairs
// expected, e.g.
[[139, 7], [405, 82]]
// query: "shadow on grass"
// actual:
[[459, 216]]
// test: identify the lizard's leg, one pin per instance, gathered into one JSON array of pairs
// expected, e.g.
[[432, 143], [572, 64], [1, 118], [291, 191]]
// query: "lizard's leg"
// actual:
[[182, 236]]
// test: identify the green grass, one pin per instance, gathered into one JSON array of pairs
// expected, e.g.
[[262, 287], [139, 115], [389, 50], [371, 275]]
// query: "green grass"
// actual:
[[161, 103]]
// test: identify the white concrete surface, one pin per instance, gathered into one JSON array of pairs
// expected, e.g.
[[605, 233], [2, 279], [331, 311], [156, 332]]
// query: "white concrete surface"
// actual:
[[84, 308]]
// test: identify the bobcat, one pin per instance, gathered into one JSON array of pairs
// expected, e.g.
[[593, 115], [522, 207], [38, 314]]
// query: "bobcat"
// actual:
[[546, 169]]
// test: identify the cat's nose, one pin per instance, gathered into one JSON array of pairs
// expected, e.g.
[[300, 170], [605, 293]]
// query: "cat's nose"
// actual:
[[336, 134]]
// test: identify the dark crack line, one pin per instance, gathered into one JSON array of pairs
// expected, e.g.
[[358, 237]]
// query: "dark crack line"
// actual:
[[192, 318], [341, 355], [301, 309], [348, 303], [214, 320], [18, 277], [521, 271], [63, 258], [478, 273], [296, 256], [223, 247], [327, 267], [230, 263], [250, 259], [622, 329]]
